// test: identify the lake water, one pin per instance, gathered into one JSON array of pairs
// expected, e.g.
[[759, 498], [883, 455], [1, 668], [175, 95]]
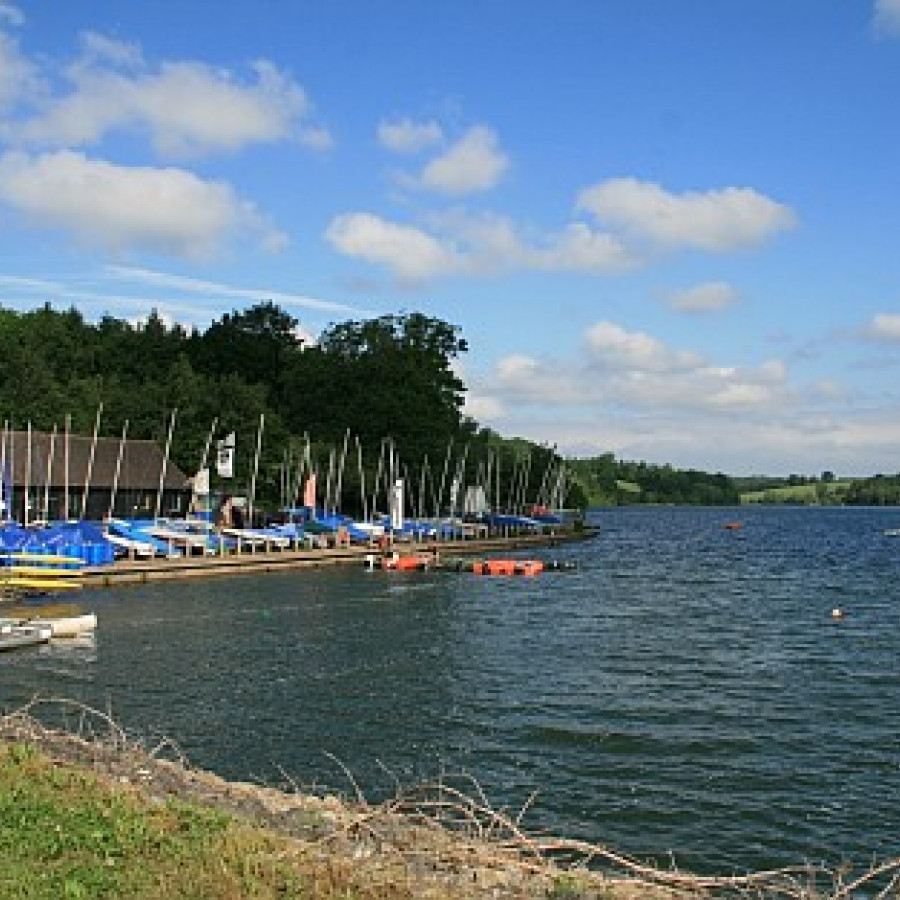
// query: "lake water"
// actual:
[[685, 690]]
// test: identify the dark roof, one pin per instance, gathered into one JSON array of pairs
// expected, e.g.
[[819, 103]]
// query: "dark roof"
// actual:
[[142, 462]]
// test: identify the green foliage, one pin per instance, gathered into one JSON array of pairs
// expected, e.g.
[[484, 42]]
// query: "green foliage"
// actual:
[[881, 490], [389, 379], [60, 836], [610, 482], [795, 491]]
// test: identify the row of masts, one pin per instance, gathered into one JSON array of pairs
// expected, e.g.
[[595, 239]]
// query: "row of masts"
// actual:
[[7, 461], [425, 495]]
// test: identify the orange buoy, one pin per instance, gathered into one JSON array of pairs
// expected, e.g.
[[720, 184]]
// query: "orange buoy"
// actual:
[[405, 563], [508, 567]]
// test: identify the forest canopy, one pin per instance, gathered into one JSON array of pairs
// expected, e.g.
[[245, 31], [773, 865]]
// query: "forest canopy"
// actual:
[[390, 380], [364, 384]]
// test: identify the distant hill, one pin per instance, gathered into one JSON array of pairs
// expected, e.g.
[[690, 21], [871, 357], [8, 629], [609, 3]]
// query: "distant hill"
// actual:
[[813, 493], [605, 481]]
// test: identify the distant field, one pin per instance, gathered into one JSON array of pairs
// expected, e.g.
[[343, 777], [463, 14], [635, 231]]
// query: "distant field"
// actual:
[[800, 493]]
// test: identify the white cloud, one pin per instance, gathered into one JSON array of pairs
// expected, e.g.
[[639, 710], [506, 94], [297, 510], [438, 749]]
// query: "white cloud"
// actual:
[[459, 244], [18, 77], [635, 372], [405, 136], [887, 17], [474, 163], [884, 327], [316, 138], [855, 442], [169, 211], [188, 108], [656, 402], [703, 298], [100, 48], [611, 347], [12, 14], [579, 248], [483, 407], [409, 253], [220, 291], [716, 221]]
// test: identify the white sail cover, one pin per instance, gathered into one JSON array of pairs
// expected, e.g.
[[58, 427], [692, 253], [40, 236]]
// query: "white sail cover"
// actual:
[[396, 504], [201, 483], [225, 457]]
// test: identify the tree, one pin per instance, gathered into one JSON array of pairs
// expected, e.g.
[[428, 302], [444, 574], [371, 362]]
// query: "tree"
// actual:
[[254, 344]]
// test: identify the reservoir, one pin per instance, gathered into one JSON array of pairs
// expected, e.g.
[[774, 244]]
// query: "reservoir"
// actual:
[[684, 692]]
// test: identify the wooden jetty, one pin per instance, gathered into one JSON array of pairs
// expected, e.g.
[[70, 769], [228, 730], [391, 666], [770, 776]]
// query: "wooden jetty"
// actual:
[[252, 562]]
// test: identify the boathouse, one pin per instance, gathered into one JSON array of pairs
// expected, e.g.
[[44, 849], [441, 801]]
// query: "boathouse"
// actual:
[[53, 477]]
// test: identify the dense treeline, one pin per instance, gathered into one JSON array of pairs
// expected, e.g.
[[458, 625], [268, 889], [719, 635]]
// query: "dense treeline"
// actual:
[[880, 490], [362, 385], [611, 482]]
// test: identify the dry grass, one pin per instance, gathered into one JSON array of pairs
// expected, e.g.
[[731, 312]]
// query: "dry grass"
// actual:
[[435, 841]]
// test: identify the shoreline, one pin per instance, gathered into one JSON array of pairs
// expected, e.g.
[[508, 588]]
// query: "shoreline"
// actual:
[[138, 571], [441, 841]]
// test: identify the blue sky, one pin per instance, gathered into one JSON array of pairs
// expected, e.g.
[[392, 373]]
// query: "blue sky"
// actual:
[[667, 229]]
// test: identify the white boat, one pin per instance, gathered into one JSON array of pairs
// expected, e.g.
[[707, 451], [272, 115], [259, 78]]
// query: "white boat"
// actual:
[[257, 537], [15, 636], [67, 626]]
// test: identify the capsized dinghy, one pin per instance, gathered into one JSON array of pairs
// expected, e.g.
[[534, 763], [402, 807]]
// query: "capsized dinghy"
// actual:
[[14, 636], [63, 619]]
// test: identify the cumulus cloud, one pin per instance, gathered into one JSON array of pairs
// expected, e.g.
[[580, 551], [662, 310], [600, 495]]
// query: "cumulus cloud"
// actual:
[[409, 253], [459, 244], [187, 108], [654, 401], [887, 17], [122, 209], [612, 347], [884, 327], [636, 216], [406, 136], [703, 298], [716, 221], [474, 163], [18, 77], [635, 372]]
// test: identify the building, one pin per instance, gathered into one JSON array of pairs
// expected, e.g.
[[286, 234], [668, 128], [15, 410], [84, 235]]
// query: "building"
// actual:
[[57, 476]]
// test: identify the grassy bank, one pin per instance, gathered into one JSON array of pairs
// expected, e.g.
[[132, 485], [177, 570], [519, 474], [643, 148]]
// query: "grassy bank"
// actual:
[[100, 817], [827, 493]]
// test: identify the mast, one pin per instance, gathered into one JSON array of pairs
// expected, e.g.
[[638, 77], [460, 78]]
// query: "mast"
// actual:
[[49, 473], [259, 435], [90, 466], [362, 480], [27, 474], [437, 507], [164, 466], [329, 481], [115, 484], [212, 430], [340, 472], [4, 500], [68, 427]]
